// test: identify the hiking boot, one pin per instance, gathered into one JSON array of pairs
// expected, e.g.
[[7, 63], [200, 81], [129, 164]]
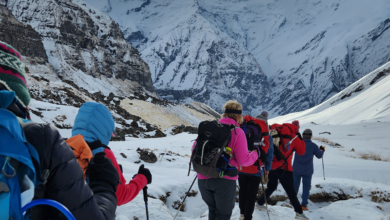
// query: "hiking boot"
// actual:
[[304, 208], [260, 207], [241, 217], [301, 216]]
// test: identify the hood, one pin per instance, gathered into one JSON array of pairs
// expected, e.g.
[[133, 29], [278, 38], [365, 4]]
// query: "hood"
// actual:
[[7, 98], [94, 122]]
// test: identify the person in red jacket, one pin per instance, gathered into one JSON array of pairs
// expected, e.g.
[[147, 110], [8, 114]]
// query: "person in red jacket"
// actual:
[[96, 124], [281, 171], [249, 177]]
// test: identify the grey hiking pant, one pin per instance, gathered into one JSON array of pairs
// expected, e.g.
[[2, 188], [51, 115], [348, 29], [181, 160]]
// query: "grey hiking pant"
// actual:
[[219, 194]]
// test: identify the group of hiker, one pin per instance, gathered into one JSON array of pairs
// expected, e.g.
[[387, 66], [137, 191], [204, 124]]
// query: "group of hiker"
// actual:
[[41, 170], [250, 150], [45, 176]]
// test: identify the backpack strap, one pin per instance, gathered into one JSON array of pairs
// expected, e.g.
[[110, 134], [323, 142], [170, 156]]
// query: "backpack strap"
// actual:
[[97, 147]]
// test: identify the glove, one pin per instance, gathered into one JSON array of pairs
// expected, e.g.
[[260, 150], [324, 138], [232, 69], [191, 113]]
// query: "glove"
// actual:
[[144, 171], [101, 171], [322, 148], [299, 135]]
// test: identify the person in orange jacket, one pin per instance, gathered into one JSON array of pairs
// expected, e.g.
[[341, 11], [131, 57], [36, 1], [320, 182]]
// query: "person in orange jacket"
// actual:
[[290, 141]]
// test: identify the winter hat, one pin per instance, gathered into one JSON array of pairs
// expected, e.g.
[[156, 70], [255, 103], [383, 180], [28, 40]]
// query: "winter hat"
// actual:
[[12, 73], [307, 134], [296, 123], [263, 116]]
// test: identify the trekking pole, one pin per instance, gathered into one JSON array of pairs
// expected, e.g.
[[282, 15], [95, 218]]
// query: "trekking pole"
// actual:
[[265, 197], [145, 189], [185, 198], [323, 167]]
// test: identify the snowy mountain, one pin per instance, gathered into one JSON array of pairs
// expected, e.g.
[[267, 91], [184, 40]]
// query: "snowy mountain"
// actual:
[[366, 100], [83, 46], [56, 98], [212, 51]]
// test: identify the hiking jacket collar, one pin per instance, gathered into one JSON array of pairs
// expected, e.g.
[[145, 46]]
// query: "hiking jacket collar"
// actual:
[[229, 121]]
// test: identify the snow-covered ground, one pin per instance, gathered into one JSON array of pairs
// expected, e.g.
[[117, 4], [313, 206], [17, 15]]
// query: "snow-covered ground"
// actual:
[[355, 177]]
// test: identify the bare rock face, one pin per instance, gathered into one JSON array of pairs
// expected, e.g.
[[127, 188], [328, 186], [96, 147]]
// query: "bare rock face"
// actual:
[[83, 45], [21, 36], [181, 129], [147, 156]]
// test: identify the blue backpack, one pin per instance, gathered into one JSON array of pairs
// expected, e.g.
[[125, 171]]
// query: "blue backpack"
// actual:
[[20, 171], [18, 161]]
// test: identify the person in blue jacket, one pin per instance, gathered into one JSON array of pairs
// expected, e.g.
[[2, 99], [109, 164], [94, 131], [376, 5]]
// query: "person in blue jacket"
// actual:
[[303, 166]]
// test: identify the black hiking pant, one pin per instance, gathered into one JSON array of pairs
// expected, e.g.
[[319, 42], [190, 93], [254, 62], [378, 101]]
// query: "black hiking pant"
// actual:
[[285, 178], [249, 186], [219, 194]]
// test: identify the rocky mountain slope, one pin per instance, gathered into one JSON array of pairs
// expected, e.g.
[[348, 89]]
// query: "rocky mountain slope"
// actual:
[[309, 50], [190, 58], [84, 46], [56, 98]]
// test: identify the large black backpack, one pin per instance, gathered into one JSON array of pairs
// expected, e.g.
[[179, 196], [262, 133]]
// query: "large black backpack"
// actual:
[[209, 156], [254, 138]]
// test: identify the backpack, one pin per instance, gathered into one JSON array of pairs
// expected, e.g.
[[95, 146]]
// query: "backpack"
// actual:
[[19, 162], [211, 155], [255, 138], [82, 151], [279, 133]]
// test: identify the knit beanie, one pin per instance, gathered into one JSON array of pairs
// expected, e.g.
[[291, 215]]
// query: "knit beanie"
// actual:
[[12, 73], [296, 123], [263, 116], [307, 134]]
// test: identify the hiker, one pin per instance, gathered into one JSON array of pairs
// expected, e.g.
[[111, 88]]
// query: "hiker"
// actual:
[[286, 140], [270, 153], [95, 123], [249, 177], [219, 193], [303, 166], [57, 170]]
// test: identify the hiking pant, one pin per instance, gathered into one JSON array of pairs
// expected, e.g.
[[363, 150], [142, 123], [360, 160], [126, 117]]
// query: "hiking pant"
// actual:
[[219, 194], [306, 182], [285, 178], [249, 186]]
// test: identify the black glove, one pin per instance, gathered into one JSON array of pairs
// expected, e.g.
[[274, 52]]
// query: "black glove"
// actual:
[[101, 171], [322, 148], [299, 135], [144, 171], [279, 156]]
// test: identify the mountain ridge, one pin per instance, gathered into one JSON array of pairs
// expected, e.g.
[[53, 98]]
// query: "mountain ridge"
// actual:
[[305, 48]]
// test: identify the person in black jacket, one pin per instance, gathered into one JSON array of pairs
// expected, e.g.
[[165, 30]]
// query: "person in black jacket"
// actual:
[[62, 176]]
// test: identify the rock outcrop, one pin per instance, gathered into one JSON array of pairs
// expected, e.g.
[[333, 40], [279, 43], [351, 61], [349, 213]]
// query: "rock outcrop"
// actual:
[[84, 46]]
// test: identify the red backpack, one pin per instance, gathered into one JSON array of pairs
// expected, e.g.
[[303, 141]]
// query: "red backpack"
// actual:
[[281, 135]]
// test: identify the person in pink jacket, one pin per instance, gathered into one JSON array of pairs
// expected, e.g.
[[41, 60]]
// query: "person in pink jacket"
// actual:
[[219, 193]]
